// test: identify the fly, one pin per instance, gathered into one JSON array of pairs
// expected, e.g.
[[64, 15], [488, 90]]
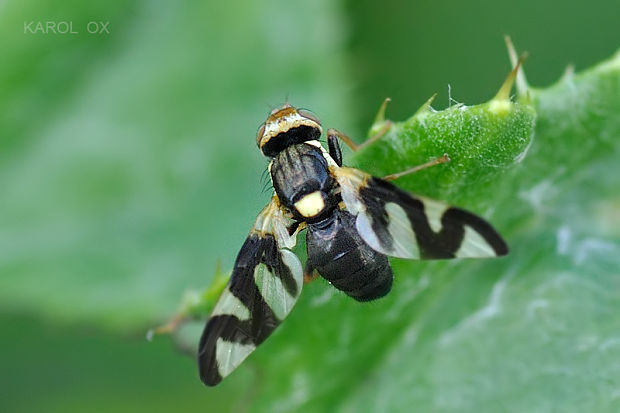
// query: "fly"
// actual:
[[353, 222]]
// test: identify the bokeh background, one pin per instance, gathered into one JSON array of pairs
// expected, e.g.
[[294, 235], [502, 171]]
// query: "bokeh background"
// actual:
[[128, 164]]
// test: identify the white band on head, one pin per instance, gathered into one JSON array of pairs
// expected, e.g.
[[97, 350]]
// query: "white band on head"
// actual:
[[286, 123]]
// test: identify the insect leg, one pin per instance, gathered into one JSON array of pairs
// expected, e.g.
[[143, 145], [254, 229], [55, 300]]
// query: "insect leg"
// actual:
[[333, 134], [378, 135], [334, 149], [379, 119], [443, 159], [387, 124], [293, 228], [309, 273]]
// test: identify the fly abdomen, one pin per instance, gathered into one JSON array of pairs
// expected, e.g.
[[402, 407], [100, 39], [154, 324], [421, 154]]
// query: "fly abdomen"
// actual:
[[340, 255]]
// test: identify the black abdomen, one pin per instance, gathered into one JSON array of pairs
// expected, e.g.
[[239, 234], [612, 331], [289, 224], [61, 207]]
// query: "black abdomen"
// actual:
[[339, 254]]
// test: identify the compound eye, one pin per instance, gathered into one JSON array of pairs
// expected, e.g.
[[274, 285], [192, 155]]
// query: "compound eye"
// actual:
[[259, 134], [309, 115]]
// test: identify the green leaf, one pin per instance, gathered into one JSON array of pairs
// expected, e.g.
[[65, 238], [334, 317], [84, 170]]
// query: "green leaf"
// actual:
[[537, 329], [533, 330]]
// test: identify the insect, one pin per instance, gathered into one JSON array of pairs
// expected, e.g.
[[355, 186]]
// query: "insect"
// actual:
[[353, 222]]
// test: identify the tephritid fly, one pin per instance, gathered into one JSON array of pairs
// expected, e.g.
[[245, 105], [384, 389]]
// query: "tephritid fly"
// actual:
[[353, 222]]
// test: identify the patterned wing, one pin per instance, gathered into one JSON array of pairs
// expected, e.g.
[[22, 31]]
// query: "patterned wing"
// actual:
[[265, 284], [400, 224]]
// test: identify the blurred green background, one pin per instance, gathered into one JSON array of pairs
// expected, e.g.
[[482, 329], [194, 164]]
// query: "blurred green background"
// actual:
[[128, 164]]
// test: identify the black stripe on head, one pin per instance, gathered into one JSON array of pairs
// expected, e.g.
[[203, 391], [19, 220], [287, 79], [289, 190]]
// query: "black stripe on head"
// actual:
[[283, 140]]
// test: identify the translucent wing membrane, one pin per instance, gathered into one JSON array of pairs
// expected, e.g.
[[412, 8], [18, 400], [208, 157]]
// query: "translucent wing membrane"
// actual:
[[265, 284], [399, 224]]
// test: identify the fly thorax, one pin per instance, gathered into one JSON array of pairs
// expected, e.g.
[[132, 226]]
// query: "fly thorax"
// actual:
[[302, 181]]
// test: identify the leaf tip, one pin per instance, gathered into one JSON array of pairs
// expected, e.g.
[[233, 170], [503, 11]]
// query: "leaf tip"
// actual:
[[379, 121], [613, 63], [426, 107], [380, 117], [522, 85], [569, 73], [501, 102]]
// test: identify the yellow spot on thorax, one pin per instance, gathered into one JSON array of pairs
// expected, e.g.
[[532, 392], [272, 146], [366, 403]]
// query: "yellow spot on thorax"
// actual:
[[310, 205]]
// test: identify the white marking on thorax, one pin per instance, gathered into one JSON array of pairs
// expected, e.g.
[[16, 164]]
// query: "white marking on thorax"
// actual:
[[310, 205]]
